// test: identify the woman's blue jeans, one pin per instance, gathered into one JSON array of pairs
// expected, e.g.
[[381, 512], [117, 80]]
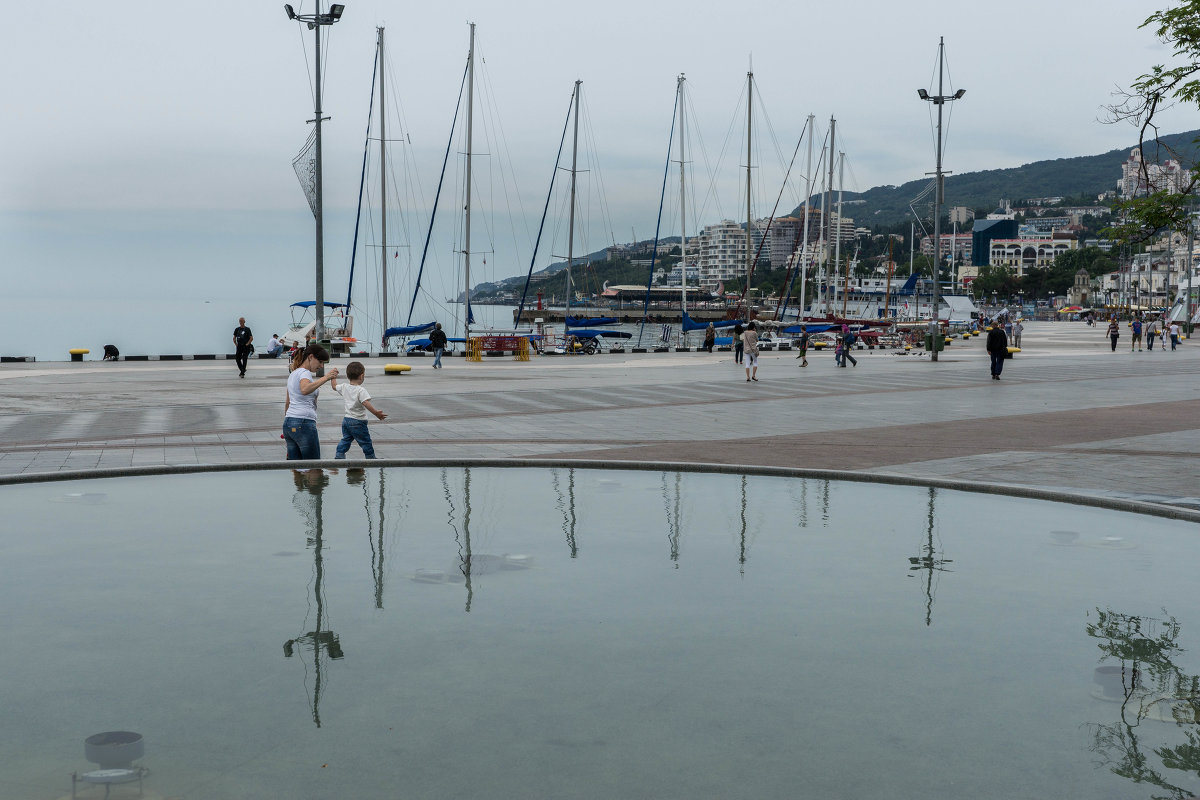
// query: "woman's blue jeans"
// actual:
[[300, 435]]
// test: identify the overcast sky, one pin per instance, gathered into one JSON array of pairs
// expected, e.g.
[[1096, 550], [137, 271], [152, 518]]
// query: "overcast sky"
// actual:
[[165, 105]]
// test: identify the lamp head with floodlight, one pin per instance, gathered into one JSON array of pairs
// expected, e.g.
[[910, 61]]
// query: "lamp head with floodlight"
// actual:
[[291, 12], [921, 93]]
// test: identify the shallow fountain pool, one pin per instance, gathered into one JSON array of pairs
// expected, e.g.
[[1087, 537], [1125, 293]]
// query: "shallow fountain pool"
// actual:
[[484, 632]]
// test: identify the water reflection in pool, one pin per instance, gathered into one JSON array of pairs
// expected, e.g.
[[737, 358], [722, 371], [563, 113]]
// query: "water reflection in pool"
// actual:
[[563, 632]]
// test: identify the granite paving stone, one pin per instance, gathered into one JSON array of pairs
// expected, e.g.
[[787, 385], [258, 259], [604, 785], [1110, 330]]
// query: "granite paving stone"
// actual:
[[1067, 413]]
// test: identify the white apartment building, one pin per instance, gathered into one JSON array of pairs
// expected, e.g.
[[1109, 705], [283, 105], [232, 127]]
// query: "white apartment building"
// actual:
[[1020, 255], [1168, 176], [960, 215], [722, 251]]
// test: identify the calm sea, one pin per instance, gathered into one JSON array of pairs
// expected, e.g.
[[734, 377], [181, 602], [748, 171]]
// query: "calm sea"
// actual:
[[155, 283]]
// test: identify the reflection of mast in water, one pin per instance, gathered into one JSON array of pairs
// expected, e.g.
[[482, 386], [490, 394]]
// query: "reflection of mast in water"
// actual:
[[742, 538], [312, 484], [930, 560], [567, 509], [673, 514], [463, 539], [824, 504], [802, 502], [374, 532]]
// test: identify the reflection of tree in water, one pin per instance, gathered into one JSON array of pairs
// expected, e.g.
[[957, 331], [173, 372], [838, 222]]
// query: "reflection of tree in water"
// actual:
[[308, 501], [1154, 688]]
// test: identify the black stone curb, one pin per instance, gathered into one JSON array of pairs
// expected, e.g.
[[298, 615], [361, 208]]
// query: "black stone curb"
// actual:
[[1002, 490], [415, 354]]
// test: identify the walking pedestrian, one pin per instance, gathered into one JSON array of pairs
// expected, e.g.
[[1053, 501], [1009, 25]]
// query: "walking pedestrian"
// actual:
[[803, 346], [1174, 334], [1136, 326], [710, 337], [300, 407], [437, 340], [997, 347], [739, 346], [1018, 329], [357, 401], [1114, 332], [243, 341], [848, 340], [750, 339], [1151, 334]]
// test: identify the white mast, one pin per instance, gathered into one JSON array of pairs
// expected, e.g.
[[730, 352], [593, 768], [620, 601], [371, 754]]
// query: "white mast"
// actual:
[[807, 215], [571, 225], [837, 242], [749, 221], [682, 204], [827, 220], [467, 207], [383, 176]]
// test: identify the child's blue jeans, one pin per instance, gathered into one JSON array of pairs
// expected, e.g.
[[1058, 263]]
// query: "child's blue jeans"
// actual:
[[355, 430]]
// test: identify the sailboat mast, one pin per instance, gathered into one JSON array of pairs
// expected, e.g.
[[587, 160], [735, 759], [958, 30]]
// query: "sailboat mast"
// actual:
[[837, 243], [682, 204], [571, 224], [749, 140], [807, 213], [383, 178], [467, 205], [827, 217]]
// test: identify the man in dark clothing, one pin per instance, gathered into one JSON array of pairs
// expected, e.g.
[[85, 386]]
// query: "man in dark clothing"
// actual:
[[243, 340], [437, 340], [997, 347]]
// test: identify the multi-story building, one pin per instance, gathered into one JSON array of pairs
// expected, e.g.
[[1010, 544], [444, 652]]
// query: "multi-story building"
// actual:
[[1021, 255], [984, 233], [1137, 177], [959, 215], [787, 234], [1042, 225], [957, 245], [721, 250]]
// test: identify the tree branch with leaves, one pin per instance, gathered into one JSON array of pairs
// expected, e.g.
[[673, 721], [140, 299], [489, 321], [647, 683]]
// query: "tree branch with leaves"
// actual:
[[1162, 87]]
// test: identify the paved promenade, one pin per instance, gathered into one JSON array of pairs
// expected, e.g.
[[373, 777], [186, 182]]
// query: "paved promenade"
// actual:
[[1068, 415]]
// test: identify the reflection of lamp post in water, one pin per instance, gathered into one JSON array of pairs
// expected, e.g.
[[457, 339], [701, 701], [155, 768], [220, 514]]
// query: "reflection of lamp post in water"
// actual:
[[929, 560], [313, 483], [463, 539]]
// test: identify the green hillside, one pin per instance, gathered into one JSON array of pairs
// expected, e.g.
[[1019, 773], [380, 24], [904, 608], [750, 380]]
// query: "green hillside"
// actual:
[[1082, 176]]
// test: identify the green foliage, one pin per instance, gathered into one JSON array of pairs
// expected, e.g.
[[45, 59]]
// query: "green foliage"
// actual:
[[1163, 86], [1039, 282], [1080, 179]]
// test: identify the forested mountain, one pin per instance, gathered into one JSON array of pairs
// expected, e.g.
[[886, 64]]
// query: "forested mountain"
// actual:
[[1085, 176]]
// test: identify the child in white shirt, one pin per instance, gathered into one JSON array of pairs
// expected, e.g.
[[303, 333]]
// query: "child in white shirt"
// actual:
[[358, 403]]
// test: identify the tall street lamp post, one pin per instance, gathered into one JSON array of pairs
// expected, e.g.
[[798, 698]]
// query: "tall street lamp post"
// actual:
[[938, 100], [315, 22]]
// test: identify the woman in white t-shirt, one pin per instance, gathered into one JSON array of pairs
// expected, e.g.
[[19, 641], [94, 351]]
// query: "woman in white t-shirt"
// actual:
[[300, 409]]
